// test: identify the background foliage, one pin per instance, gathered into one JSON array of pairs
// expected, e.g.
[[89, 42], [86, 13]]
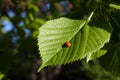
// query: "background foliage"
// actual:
[[19, 24]]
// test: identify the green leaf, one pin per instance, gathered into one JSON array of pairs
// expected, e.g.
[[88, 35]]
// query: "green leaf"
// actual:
[[96, 40], [115, 6], [84, 41], [5, 18], [31, 16], [54, 34], [95, 55], [34, 7], [1, 75]]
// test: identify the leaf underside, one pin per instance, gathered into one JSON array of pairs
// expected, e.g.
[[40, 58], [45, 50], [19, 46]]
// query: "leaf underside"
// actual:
[[55, 33]]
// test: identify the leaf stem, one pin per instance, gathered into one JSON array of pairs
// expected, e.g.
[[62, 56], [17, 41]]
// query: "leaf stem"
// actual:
[[89, 18]]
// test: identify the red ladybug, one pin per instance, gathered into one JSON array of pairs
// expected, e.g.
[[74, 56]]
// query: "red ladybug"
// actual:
[[67, 44]]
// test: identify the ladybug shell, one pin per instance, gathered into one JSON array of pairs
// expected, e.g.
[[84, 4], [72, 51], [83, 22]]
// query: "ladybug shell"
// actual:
[[67, 44]]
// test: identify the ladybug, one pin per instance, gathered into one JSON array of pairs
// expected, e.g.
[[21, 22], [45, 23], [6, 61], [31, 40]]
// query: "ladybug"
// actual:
[[67, 44]]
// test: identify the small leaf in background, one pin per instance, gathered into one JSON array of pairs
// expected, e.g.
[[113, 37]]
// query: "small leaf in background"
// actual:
[[115, 6], [1, 75], [34, 7]]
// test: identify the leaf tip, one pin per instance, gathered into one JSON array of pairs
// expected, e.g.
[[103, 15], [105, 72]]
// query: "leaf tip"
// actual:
[[40, 68]]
